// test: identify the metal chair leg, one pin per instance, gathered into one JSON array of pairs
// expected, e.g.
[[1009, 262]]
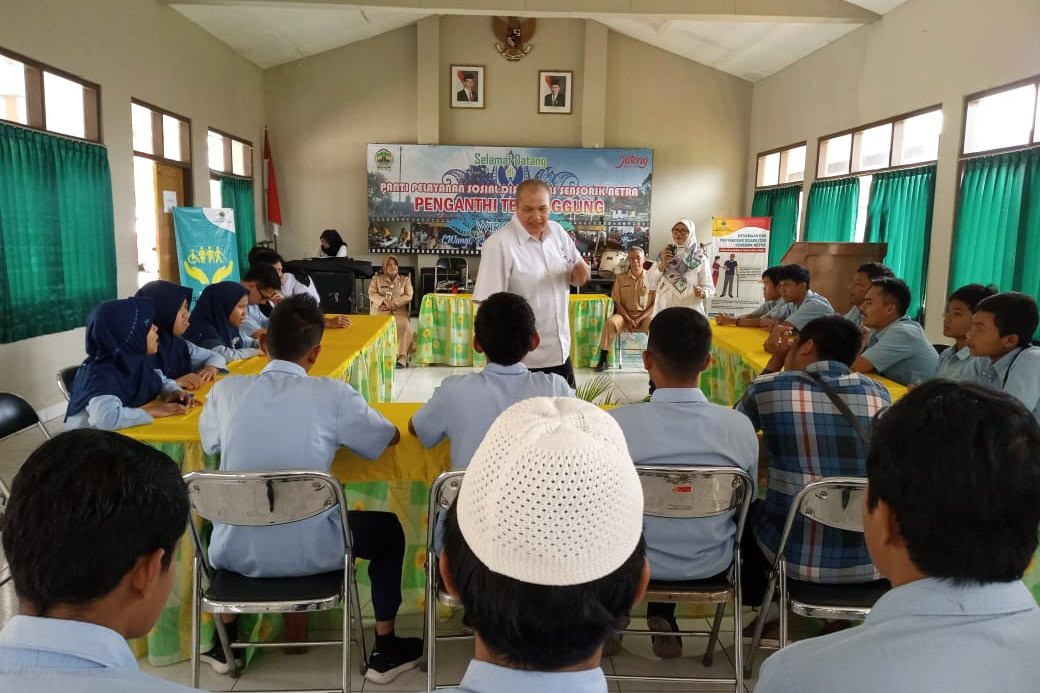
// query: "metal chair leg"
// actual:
[[760, 624], [196, 619], [431, 622], [709, 654], [348, 616], [225, 645]]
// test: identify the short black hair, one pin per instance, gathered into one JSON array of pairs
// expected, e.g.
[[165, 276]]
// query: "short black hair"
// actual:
[[875, 270], [265, 256], [959, 464], [971, 294], [540, 627], [835, 338], [296, 327], [265, 276], [772, 274], [1013, 313], [795, 273], [504, 328], [895, 292], [83, 508], [679, 341]]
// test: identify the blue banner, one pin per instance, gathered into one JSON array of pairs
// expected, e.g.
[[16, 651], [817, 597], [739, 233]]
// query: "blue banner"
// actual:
[[206, 252], [448, 199]]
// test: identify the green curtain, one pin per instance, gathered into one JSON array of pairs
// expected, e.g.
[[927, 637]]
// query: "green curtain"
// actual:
[[899, 213], [830, 213], [237, 194], [57, 232], [782, 205], [997, 236]]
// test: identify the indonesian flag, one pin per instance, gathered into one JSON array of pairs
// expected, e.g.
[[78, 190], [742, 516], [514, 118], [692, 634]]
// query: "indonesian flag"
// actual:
[[274, 210]]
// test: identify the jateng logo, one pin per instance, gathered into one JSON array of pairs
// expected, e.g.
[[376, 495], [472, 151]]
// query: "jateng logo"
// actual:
[[626, 160], [384, 159]]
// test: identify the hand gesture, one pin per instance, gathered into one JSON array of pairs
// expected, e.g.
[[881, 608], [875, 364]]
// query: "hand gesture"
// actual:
[[778, 343], [181, 397], [665, 257], [207, 375], [189, 381], [337, 321], [160, 410]]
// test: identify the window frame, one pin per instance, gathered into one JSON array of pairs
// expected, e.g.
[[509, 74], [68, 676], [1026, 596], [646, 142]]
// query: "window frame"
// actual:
[[1033, 134], [851, 173], [157, 136], [780, 162], [250, 173]]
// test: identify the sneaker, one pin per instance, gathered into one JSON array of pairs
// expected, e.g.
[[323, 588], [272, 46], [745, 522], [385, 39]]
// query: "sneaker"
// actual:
[[385, 666], [215, 658], [665, 646]]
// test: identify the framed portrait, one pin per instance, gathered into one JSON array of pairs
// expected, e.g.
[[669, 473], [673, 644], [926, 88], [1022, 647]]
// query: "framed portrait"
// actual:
[[467, 86], [555, 88]]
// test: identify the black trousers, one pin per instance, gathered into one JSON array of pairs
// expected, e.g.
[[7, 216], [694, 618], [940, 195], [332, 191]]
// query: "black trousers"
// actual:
[[565, 370], [378, 538]]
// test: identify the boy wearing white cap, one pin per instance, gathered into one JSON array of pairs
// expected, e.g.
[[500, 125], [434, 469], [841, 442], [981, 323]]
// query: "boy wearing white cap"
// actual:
[[544, 547]]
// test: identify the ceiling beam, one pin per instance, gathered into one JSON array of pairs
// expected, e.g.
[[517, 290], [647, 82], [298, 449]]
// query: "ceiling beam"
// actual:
[[801, 11]]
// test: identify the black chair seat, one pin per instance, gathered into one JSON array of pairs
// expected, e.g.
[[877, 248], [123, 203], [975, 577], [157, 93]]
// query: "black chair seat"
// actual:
[[231, 587], [835, 596], [712, 584]]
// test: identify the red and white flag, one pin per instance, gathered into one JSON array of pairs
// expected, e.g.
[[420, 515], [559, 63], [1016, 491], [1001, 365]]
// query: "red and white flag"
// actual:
[[274, 210]]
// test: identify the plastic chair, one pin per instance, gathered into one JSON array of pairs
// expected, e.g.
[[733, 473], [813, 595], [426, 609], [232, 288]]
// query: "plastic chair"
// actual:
[[65, 377], [453, 267], [265, 499], [834, 502], [443, 492], [16, 415], [693, 493]]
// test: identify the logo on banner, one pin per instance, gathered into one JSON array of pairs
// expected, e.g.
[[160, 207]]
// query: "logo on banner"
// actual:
[[384, 159], [200, 260]]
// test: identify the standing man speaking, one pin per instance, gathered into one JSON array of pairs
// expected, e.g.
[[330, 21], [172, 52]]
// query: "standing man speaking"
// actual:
[[535, 258]]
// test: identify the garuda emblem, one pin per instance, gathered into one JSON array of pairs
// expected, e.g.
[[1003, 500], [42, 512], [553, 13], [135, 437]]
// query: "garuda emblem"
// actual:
[[515, 34]]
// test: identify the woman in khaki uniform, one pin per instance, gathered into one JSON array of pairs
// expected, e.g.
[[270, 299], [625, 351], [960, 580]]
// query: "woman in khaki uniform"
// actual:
[[391, 293]]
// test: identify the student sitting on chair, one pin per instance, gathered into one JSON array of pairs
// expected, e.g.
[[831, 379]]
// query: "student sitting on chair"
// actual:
[[178, 359], [680, 427], [860, 284], [801, 304], [956, 362], [544, 547], [216, 319], [264, 290], [90, 533], [293, 285], [898, 348], [283, 419], [117, 386], [950, 517], [772, 309], [1001, 330]]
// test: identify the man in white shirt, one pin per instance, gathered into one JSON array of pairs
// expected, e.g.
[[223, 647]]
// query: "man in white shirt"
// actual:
[[535, 258]]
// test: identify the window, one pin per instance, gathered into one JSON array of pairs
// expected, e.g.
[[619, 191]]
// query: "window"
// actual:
[[1002, 119], [230, 155], [781, 166], [44, 98], [906, 140]]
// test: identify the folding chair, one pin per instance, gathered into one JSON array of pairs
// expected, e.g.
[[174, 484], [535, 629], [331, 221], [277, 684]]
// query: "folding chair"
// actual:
[[692, 493], [258, 500], [65, 377], [833, 502], [443, 492], [16, 415], [5, 570], [628, 341]]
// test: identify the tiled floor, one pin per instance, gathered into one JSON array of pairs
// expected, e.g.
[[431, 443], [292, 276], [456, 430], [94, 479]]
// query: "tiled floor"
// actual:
[[320, 666]]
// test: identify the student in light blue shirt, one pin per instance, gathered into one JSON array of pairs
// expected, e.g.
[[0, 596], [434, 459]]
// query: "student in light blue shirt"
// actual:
[[263, 286], [898, 348], [1001, 329], [861, 278], [802, 303], [950, 519], [771, 311], [90, 532], [680, 427], [956, 362]]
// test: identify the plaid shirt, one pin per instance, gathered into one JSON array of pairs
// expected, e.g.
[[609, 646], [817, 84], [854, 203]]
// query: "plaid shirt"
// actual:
[[807, 437]]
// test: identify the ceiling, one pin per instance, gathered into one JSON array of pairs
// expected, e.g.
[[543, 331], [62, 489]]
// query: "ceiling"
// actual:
[[719, 33]]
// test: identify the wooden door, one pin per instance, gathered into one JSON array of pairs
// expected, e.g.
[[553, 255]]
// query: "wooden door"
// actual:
[[169, 187]]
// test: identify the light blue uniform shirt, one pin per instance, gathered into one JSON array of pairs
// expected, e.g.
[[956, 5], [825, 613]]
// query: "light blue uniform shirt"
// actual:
[[679, 426], [254, 320], [812, 306], [1016, 373], [764, 308], [463, 407], [924, 636], [779, 311], [484, 677], [958, 364], [855, 316], [202, 357], [901, 352], [52, 655], [107, 413], [284, 419]]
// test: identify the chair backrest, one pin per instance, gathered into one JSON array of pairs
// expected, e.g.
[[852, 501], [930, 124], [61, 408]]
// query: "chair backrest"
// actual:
[[443, 492], [834, 501], [259, 499], [65, 377], [15, 414], [692, 492]]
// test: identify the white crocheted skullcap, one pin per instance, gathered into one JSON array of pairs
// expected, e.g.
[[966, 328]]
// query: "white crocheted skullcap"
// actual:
[[551, 497]]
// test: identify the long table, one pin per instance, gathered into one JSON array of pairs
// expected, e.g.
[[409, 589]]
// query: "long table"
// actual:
[[446, 329]]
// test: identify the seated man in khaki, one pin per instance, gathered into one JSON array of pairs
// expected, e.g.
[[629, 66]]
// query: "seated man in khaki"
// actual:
[[633, 302]]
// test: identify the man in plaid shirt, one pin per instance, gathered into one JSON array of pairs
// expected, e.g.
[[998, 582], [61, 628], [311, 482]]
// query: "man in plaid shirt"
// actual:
[[807, 437]]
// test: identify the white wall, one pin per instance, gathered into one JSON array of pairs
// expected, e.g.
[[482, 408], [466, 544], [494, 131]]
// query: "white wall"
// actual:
[[923, 53], [132, 48]]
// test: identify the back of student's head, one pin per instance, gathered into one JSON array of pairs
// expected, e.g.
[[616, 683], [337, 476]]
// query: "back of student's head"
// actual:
[[895, 292], [971, 294], [265, 256], [794, 273], [83, 508], [1013, 313], [835, 338], [504, 328], [296, 327], [773, 274], [875, 270], [679, 342], [544, 544], [959, 465], [265, 276]]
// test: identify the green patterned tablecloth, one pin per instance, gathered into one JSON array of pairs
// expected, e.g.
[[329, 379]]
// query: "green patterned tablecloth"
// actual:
[[446, 329]]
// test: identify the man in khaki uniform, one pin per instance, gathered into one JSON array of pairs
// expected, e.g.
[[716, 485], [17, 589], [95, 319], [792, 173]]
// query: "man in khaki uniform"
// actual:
[[633, 302]]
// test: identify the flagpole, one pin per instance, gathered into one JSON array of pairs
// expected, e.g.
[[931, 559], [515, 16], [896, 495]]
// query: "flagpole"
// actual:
[[267, 222]]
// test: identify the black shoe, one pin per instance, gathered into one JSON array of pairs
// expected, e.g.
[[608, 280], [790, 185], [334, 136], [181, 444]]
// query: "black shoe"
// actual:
[[664, 646], [601, 366], [215, 658], [386, 665]]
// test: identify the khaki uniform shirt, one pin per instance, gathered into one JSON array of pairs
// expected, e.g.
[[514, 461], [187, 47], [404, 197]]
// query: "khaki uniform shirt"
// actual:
[[631, 293]]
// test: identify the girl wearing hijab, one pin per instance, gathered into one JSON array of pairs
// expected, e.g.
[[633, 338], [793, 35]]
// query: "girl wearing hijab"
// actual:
[[190, 365], [116, 386], [390, 293], [332, 244], [214, 323], [681, 276]]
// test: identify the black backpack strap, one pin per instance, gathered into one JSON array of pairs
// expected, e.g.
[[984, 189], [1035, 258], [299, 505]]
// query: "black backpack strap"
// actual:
[[842, 406]]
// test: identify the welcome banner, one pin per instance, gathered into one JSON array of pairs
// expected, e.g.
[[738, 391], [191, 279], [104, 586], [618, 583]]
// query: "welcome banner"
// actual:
[[206, 252], [448, 199], [740, 254]]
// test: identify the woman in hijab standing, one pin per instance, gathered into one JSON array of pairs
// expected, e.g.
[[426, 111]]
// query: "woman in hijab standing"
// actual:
[[214, 323], [681, 276], [390, 293], [187, 363], [116, 387], [332, 244]]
